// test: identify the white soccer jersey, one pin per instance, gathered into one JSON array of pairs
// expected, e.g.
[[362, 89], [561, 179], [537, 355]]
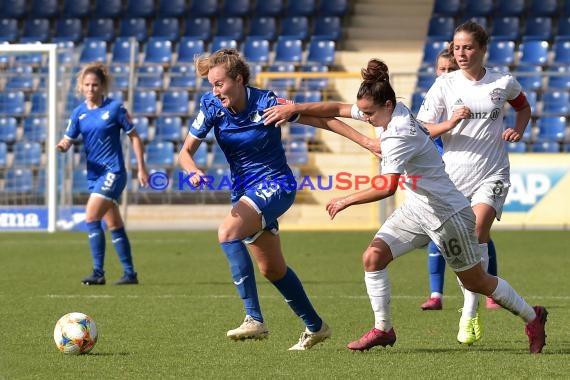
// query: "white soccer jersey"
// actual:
[[474, 151], [408, 150]]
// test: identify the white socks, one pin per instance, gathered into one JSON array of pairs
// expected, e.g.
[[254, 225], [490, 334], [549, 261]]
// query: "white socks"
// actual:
[[508, 298], [470, 299], [378, 288]]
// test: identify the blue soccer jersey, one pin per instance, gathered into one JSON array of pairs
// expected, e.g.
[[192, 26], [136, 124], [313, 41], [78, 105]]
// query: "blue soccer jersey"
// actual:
[[101, 130], [253, 150]]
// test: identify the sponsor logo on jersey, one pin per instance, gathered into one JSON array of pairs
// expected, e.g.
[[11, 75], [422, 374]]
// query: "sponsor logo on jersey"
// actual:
[[284, 101]]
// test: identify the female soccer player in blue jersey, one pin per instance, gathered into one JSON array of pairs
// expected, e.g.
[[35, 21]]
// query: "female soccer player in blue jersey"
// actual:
[[100, 120], [263, 189]]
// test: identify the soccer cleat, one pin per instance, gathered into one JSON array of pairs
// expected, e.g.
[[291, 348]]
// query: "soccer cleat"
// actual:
[[432, 303], [466, 334], [309, 339], [491, 304], [128, 279], [373, 338], [477, 327], [249, 329], [94, 279], [535, 330]]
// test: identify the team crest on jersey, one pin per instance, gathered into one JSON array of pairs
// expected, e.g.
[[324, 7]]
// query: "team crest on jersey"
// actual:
[[255, 117], [105, 116], [198, 121], [82, 116], [498, 96], [284, 101]]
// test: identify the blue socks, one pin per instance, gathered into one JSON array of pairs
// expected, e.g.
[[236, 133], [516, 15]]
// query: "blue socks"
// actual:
[[97, 244], [436, 267], [123, 248], [241, 268], [492, 258], [291, 288]]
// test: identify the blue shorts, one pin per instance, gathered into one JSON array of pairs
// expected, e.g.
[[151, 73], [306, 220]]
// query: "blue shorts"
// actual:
[[109, 185], [271, 200]]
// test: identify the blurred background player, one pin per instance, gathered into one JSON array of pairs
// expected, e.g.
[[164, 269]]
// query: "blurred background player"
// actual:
[[100, 120]]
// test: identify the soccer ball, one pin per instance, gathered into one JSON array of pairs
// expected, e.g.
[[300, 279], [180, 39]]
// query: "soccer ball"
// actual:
[[75, 334]]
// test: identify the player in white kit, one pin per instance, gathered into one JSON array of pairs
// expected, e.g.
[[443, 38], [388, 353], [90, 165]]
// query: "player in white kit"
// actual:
[[474, 138], [433, 209]]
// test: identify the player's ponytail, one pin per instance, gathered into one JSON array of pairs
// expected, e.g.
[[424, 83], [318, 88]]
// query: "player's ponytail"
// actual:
[[376, 83]]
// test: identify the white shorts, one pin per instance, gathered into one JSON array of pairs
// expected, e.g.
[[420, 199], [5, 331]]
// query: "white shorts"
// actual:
[[455, 238], [493, 194]]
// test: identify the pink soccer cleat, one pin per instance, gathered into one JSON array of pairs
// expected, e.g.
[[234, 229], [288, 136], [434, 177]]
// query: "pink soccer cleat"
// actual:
[[536, 332], [373, 338], [432, 303]]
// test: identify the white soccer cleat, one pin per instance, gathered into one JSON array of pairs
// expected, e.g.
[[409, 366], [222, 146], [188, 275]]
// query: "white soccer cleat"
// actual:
[[309, 339], [249, 329]]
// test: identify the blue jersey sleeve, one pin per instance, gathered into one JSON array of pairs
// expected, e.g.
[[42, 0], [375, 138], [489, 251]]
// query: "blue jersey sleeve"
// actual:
[[124, 119], [72, 131], [204, 121]]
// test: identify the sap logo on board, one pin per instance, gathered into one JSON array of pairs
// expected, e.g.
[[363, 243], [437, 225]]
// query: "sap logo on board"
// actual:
[[529, 187], [19, 220]]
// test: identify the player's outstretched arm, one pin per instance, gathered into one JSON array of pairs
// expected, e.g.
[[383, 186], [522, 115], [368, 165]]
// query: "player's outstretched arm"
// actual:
[[280, 114]]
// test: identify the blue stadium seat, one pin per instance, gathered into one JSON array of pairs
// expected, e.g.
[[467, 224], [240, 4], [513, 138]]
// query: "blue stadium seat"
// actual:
[[218, 157], [510, 122], [328, 27], [35, 129], [199, 27], [321, 51], [547, 8], [158, 50], [295, 26], [561, 50], [431, 51], [8, 130], [538, 28], [3, 155], [101, 28], [529, 76], [481, 20], [27, 153], [301, 7], [288, 50], [237, 8], [256, 50], [447, 7], [93, 50], [314, 83], [141, 124], [510, 8], [188, 48], [219, 174], [545, 147], [500, 52], [516, 147], [19, 180], [301, 132], [417, 100], [65, 57], [166, 27], [563, 28], [559, 77], [12, 103], [478, 7], [175, 102], [121, 74], [133, 27], [551, 128], [534, 52], [182, 76], [44, 9], [203, 8], [122, 49], [230, 27], [168, 128], [308, 96], [36, 29], [338, 8], [297, 152], [9, 31], [221, 42], [140, 8], [263, 27], [38, 103], [150, 77], [441, 28], [144, 103], [160, 153], [201, 156], [68, 29], [15, 9], [108, 9], [172, 8], [80, 184], [556, 102], [19, 77], [426, 77], [532, 98], [506, 28], [76, 8], [118, 95], [270, 8], [281, 83]]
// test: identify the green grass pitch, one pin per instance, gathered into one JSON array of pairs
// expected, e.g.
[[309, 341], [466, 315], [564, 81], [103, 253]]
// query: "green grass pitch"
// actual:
[[173, 324]]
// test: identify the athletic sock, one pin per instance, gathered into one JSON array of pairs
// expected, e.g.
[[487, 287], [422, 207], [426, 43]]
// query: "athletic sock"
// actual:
[[292, 289], [470, 299], [241, 268], [378, 288], [506, 296], [123, 248], [96, 237], [436, 268]]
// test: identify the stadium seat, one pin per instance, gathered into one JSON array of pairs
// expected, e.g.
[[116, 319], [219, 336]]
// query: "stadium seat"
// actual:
[[35, 129], [230, 27], [19, 77], [93, 50], [182, 76], [256, 50], [510, 8], [108, 9], [277, 84], [133, 27], [218, 157], [563, 28], [308, 96], [510, 121], [263, 27], [478, 8], [201, 156], [36, 29], [337, 8], [556, 102], [122, 49], [3, 155], [141, 124], [237, 8], [8, 130], [297, 152], [188, 48], [295, 27], [449, 8], [121, 74], [551, 128], [175, 102], [431, 51], [199, 27], [516, 147], [221, 42], [68, 29], [158, 50], [500, 52], [219, 174], [9, 31], [288, 50], [76, 8], [321, 51], [301, 7], [547, 8], [533, 52], [532, 98], [545, 147], [172, 8], [301, 132], [168, 128], [506, 28], [314, 83], [150, 77], [27, 153], [538, 28], [561, 51], [118, 95], [269, 8], [160, 153], [529, 76], [101, 28], [166, 27], [426, 77], [44, 9], [441, 28], [19, 180], [559, 77], [15, 9], [144, 103], [481, 20], [12, 103], [203, 8], [140, 8], [328, 27], [79, 181], [417, 100]]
